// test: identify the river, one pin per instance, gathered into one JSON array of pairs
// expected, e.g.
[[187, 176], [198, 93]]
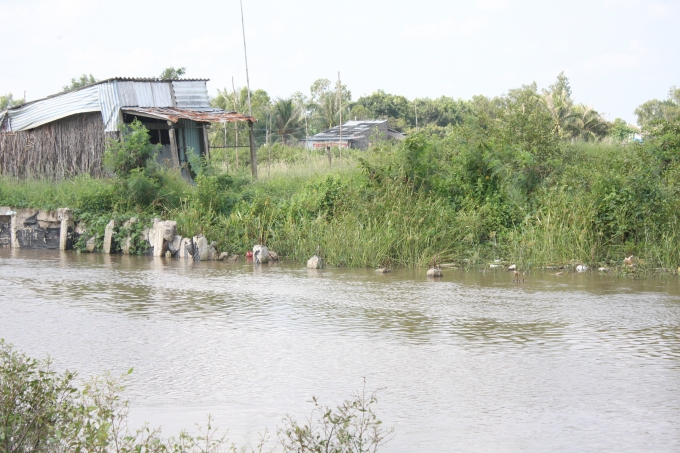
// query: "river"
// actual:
[[472, 363]]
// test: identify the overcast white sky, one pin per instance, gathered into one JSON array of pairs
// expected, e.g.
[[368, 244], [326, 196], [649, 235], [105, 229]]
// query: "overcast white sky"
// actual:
[[617, 53]]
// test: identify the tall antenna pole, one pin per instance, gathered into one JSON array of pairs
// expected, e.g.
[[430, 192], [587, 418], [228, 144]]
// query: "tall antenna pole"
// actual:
[[251, 132], [245, 52], [340, 104]]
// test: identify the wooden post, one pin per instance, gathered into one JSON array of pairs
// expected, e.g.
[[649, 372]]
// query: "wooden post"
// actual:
[[173, 147], [207, 142], [226, 150], [253, 153]]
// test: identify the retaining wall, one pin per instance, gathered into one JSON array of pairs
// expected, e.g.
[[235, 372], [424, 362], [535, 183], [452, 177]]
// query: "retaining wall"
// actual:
[[40, 229]]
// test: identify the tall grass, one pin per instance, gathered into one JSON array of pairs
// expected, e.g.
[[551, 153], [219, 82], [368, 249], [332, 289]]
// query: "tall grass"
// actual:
[[393, 206]]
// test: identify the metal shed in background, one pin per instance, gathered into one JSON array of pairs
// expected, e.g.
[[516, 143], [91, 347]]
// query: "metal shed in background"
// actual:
[[65, 134], [354, 134]]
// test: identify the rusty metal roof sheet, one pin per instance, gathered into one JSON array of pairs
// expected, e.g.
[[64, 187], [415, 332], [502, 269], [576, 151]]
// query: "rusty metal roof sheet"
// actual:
[[200, 115]]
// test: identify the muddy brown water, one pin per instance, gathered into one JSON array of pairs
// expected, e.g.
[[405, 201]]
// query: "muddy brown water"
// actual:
[[471, 363]]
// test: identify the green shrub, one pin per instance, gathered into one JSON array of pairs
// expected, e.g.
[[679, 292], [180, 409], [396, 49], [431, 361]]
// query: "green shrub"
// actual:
[[132, 151], [42, 411], [216, 193], [139, 189]]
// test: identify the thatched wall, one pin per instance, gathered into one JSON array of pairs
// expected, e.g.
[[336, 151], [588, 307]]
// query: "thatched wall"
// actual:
[[60, 149]]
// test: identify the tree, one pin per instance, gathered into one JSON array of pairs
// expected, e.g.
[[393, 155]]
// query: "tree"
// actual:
[[570, 120], [172, 73], [622, 131], [84, 80], [325, 105], [587, 124], [382, 105], [303, 106], [654, 110], [561, 85], [286, 118], [237, 101], [442, 112], [8, 101], [560, 104], [524, 129]]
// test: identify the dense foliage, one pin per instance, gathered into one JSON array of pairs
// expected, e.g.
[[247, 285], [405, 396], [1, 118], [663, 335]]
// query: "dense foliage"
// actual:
[[301, 115], [172, 73], [7, 101], [82, 81], [512, 178]]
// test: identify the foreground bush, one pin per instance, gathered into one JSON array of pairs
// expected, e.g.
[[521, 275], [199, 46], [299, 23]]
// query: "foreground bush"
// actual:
[[45, 411]]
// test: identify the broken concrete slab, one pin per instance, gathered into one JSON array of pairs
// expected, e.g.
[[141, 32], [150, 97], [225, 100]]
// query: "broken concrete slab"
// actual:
[[6, 214], [202, 250], [35, 229], [162, 232], [185, 248], [108, 236], [175, 245], [65, 216], [315, 262], [260, 254]]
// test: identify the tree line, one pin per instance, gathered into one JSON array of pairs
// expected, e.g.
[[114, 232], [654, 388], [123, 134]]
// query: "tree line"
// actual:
[[290, 119], [299, 115]]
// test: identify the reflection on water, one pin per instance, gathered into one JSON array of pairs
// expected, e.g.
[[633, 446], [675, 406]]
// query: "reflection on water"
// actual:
[[471, 363]]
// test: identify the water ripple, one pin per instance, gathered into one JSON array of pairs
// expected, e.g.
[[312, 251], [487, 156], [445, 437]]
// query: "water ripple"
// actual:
[[473, 361]]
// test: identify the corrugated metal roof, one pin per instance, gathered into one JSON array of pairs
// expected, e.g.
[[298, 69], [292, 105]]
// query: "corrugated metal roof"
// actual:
[[350, 130], [191, 94], [145, 94], [120, 79], [202, 115], [35, 114], [4, 125], [152, 79], [110, 105], [109, 96]]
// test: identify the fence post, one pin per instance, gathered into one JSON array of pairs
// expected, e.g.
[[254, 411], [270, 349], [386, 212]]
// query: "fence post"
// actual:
[[253, 153]]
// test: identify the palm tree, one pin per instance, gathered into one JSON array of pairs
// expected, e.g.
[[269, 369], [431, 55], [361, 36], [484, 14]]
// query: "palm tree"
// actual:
[[559, 104], [588, 124], [325, 110], [286, 118]]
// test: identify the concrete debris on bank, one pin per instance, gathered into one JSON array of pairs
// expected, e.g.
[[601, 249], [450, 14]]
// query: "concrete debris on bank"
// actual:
[[260, 254], [315, 262], [41, 229], [36, 229], [434, 272]]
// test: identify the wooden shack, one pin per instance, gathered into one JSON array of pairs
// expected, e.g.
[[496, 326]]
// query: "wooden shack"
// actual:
[[65, 134]]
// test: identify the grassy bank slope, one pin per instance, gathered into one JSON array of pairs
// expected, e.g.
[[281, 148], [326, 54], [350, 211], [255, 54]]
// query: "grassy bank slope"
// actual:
[[461, 198]]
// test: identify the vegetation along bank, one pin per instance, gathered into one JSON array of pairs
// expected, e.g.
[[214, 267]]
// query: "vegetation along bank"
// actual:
[[529, 177]]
